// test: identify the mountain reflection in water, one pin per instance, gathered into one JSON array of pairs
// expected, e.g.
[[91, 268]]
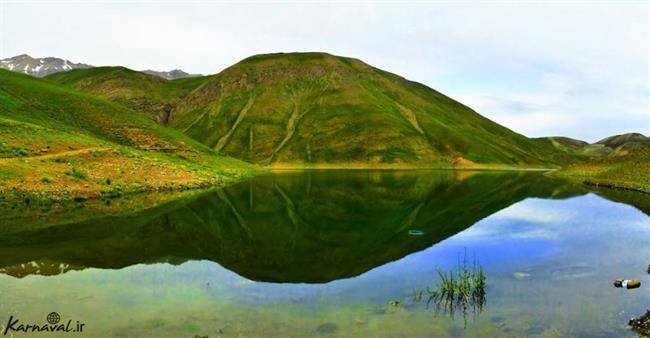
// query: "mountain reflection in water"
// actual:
[[285, 227]]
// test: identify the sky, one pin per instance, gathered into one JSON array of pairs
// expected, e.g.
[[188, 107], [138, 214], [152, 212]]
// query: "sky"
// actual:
[[571, 68]]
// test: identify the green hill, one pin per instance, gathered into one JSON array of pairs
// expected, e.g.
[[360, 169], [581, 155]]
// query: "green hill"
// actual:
[[620, 161], [582, 151], [58, 143], [563, 143], [624, 139], [567, 150], [626, 167], [139, 91], [316, 109]]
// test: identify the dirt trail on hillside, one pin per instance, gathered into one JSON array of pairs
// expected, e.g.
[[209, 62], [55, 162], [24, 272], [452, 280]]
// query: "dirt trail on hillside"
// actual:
[[48, 156]]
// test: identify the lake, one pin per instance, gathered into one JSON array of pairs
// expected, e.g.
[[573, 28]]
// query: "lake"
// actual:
[[333, 254]]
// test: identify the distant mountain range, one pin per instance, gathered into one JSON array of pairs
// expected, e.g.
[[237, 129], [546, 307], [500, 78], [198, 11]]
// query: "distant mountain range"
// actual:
[[170, 75], [41, 67]]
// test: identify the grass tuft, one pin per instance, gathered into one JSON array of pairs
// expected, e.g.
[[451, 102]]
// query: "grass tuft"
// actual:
[[78, 174], [463, 287]]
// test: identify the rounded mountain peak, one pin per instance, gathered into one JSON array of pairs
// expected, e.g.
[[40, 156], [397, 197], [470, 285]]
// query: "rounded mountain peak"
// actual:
[[321, 109]]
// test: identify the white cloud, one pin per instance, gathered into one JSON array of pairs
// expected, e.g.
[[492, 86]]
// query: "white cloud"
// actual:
[[575, 69], [585, 216]]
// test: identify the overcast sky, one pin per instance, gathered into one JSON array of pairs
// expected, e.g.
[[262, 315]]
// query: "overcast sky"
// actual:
[[563, 68]]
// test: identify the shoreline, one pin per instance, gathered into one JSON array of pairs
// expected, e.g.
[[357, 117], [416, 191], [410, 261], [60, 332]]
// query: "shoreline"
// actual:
[[615, 187], [13, 195], [362, 166], [45, 198]]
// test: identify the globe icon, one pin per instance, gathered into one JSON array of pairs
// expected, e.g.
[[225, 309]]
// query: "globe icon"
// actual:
[[53, 318]]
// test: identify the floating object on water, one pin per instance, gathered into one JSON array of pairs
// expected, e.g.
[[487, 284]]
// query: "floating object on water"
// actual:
[[627, 283], [521, 275], [416, 233]]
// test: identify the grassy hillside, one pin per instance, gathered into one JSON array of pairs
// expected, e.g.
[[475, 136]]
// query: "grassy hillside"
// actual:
[[624, 139], [567, 150], [316, 109], [57, 143], [142, 92], [626, 169], [566, 144]]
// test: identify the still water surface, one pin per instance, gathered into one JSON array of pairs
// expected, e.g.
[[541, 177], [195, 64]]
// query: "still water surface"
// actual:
[[336, 253]]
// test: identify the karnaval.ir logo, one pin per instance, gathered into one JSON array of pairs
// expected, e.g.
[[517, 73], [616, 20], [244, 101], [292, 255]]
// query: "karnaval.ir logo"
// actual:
[[52, 324]]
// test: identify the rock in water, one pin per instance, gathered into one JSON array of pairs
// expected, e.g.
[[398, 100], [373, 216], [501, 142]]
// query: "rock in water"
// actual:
[[641, 325]]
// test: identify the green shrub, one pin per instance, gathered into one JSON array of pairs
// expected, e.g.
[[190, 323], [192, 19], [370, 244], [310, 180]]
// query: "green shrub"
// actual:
[[463, 287], [78, 174]]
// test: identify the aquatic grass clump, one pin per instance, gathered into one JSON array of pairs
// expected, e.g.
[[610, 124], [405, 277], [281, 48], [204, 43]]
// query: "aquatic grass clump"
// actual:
[[479, 283], [463, 287]]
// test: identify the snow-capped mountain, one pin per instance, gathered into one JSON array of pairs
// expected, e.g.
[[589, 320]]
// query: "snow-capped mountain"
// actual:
[[44, 66], [39, 66]]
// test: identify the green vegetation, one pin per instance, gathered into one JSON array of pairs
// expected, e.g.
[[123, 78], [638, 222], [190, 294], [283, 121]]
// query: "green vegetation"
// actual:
[[78, 174], [617, 141], [320, 110], [188, 84], [292, 110], [624, 169], [77, 140], [583, 151], [620, 161], [463, 287], [563, 143], [568, 150], [460, 287], [141, 92]]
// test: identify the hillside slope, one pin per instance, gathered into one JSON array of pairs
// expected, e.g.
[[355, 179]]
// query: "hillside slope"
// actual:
[[624, 163], [628, 139], [316, 109], [150, 94], [58, 143], [563, 143]]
